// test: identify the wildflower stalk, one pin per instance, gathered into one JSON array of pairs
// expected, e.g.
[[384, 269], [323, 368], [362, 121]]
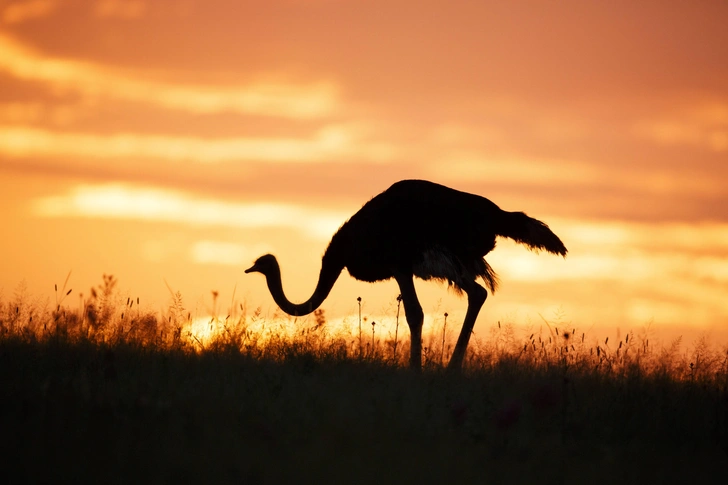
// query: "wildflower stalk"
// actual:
[[396, 326], [358, 299]]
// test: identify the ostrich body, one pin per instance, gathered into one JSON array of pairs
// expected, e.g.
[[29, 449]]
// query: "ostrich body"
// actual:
[[423, 229]]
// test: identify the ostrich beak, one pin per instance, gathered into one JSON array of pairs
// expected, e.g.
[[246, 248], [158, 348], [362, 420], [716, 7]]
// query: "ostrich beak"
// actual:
[[252, 269]]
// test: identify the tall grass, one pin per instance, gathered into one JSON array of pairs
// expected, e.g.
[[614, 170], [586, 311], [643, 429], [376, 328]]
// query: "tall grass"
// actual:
[[103, 390], [106, 317]]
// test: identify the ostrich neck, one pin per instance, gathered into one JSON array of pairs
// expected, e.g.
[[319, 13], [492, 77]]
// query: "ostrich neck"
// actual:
[[328, 276]]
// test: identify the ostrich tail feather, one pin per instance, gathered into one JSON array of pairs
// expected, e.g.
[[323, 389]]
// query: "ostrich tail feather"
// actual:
[[530, 232]]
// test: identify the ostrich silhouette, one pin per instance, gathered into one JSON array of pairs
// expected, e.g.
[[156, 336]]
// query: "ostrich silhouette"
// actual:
[[423, 229]]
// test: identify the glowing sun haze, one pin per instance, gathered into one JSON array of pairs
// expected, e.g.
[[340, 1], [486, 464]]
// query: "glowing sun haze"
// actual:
[[179, 140]]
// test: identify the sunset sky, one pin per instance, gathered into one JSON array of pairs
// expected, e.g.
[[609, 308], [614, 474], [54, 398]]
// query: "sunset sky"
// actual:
[[178, 140]]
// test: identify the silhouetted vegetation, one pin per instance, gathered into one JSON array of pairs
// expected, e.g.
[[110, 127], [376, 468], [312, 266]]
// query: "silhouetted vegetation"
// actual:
[[102, 391]]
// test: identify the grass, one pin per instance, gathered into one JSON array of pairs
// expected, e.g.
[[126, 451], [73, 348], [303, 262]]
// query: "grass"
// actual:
[[109, 393]]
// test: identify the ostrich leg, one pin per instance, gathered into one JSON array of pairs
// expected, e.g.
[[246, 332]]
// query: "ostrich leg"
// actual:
[[476, 298], [415, 316]]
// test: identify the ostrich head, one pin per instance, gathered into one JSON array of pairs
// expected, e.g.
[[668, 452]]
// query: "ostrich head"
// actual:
[[266, 265]]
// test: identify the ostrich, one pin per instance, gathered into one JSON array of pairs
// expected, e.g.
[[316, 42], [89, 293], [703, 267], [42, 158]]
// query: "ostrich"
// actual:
[[423, 229]]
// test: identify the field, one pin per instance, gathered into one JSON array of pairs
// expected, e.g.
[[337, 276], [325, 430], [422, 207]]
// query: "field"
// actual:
[[107, 393]]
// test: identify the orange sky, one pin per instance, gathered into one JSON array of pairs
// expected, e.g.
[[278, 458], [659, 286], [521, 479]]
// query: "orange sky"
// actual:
[[178, 140]]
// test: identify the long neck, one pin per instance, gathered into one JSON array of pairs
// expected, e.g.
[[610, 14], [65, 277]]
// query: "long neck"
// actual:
[[329, 274]]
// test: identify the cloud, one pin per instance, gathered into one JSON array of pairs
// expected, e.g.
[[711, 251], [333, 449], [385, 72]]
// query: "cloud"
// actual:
[[704, 126], [531, 172], [690, 239], [19, 12], [288, 100], [625, 266], [21, 113], [330, 143], [27, 113], [116, 201], [461, 166], [205, 252], [225, 253], [680, 264], [680, 133]]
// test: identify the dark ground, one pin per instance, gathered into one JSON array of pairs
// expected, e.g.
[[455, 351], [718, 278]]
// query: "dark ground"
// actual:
[[83, 412]]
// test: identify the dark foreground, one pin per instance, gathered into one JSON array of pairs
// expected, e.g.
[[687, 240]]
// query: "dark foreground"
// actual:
[[84, 412]]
